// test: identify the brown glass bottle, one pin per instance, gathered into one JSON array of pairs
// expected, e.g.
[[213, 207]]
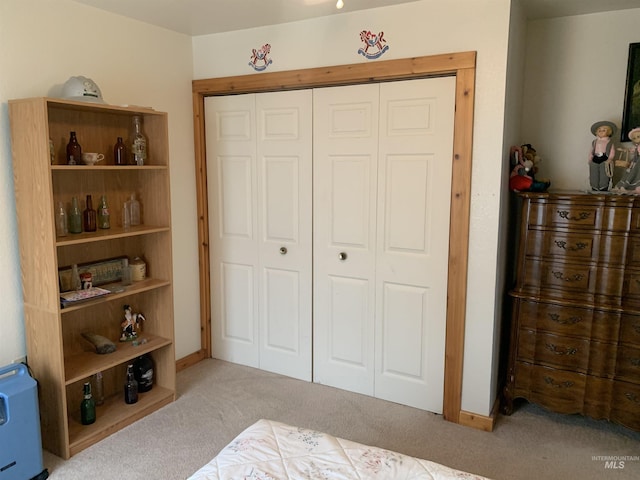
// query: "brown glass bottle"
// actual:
[[74, 150], [119, 153], [89, 216]]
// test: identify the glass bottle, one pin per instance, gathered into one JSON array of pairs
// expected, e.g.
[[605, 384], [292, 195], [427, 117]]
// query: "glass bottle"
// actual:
[[143, 372], [126, 215], [119, 153], [138, 142], [99, 388], [104, 220], [89, 216], [88, 406], [134, 207], [75, 217], [126, 272], [52, 151], [76, 284], [130, 387], [74, 150], [62, 228]]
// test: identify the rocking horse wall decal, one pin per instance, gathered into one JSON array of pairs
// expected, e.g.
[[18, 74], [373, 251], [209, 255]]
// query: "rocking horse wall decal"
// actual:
[[372, 40]]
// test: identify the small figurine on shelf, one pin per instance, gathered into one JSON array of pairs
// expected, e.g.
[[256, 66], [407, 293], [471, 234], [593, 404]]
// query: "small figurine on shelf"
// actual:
[[522, 178], [601, 156], [630, 181], [131, 324]]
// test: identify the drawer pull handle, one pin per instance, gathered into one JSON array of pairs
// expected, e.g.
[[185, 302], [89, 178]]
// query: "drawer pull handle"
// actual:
[[578, 246], [635, 362], [569, 321], [633, 397], [567, 215], [550, 381], [573, 278], [636, 327], [561, 351]]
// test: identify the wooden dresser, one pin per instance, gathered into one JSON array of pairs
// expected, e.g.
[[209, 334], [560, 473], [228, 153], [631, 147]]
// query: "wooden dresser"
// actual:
[[575, 326]]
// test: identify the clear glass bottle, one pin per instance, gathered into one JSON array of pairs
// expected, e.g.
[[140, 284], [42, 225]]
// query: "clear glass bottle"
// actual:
[[88, 406], [104, 220], [75, 217], [76, 284], [138, 142], [134, 207], [52, 151], [126, 272], [126, 215], [74, 150], [62, 227], [119, 153], [89, 216], [130, 387]]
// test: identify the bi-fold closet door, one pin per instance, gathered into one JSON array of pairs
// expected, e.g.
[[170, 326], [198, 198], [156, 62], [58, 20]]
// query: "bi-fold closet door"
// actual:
[[381, 189], [259, 175]]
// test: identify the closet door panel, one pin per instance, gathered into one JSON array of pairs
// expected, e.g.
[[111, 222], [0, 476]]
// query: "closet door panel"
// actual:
[[233, 227], [345, 179], [284, 152], [414, 179]]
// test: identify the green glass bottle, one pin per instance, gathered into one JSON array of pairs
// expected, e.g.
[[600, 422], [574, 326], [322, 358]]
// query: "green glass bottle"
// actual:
[[75, 217], [88, 406]]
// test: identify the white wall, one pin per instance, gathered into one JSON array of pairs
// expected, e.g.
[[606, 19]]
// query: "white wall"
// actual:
[[575, 76], [420, 28], [42, 43]]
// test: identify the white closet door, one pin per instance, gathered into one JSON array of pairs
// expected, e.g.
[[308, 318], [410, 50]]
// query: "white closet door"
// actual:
[[345, 183], [285, 199], [414, 188], [259, 170], [381, 198], [233, 227]]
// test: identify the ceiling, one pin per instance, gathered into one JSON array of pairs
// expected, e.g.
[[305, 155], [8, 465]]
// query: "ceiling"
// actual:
[[202, 17]]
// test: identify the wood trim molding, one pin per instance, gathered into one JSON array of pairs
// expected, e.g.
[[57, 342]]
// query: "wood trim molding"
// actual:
[[189, 360], [462, 65], [481, 422]]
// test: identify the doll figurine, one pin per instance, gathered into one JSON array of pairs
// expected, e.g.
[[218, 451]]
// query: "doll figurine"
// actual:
[[601, 156], [630, 181]]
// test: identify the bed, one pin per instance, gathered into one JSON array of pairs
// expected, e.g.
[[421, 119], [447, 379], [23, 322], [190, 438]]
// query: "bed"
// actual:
[[272, 450]]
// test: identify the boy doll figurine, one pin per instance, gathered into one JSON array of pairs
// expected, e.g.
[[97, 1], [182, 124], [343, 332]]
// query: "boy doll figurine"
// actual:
[[601, 156], [630, 181]]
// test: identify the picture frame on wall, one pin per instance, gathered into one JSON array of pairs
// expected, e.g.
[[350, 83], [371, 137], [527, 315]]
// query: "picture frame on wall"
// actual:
[[631, 111]]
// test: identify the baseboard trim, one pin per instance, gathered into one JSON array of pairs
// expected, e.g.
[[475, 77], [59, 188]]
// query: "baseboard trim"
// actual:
[[189, 360], [480, 422]]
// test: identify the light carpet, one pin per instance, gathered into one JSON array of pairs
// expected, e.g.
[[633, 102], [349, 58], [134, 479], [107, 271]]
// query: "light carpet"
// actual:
[[217, 400]]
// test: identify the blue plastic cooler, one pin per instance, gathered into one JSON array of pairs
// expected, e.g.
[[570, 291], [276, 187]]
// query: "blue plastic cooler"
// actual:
[[20, 443]]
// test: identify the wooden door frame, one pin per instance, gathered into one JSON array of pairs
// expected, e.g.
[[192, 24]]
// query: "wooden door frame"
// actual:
[[462, 65]]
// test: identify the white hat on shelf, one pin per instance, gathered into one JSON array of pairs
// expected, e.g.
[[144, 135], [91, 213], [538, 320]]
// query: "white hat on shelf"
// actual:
[[82, 89]]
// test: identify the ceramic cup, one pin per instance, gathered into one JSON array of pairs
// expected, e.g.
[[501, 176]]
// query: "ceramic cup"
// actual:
[[92, 158]]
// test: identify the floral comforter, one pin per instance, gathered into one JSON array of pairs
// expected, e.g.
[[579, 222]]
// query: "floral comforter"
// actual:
[[270, 450]]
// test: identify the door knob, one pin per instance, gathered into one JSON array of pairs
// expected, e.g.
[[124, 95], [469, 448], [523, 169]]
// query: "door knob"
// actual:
[[342, 256], [283, 250]]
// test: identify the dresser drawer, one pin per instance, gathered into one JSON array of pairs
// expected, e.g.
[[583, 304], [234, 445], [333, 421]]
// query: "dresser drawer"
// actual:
[[628, 364], [625, 404], [630, 329], [612, 214], [567, 353], [557, 390], [583, 282], [575, 321], [580, 246]]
